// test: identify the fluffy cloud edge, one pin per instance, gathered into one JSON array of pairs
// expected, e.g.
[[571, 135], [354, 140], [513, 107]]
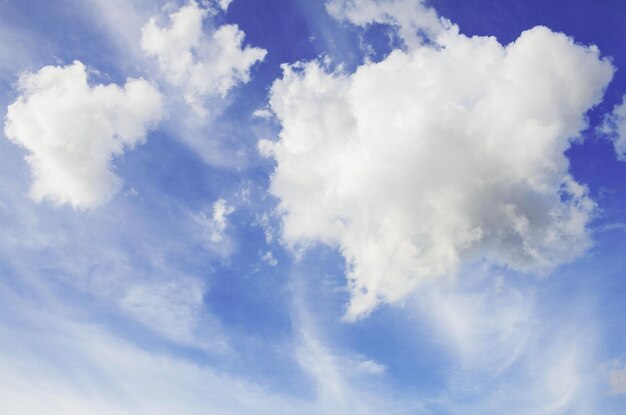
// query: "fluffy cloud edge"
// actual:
[[200, 65]]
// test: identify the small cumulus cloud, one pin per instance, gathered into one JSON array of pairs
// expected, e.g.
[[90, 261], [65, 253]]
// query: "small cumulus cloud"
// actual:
[[436, 155], [201, 66], [265, 147], [615, 127], [73, 130], [221, 210], [414, 21], [268, 257], [224, 4], [262, 113]]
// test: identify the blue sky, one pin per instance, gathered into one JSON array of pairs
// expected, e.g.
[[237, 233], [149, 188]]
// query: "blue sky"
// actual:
[[312, 207]]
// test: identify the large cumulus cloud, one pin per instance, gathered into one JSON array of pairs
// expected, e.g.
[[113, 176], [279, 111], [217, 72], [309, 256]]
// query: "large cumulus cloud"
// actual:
[[442, 153]]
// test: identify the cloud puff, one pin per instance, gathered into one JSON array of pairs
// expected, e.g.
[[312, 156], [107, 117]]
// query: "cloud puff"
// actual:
[[73, 130], [224, 4], [615, 127], [437, 155], [217, 225], [214, 227], [415, 21], [200, 66]]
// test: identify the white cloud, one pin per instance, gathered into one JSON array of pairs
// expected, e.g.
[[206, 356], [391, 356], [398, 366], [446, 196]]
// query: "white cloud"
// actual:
[[615, 127], [221, 210], [224, 4], [214, 227], [262, 113], [415, 21], [201, 66], [268, 257], [264, 222], [264, 147], [73, 130], [437, 155], [368, 366]]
